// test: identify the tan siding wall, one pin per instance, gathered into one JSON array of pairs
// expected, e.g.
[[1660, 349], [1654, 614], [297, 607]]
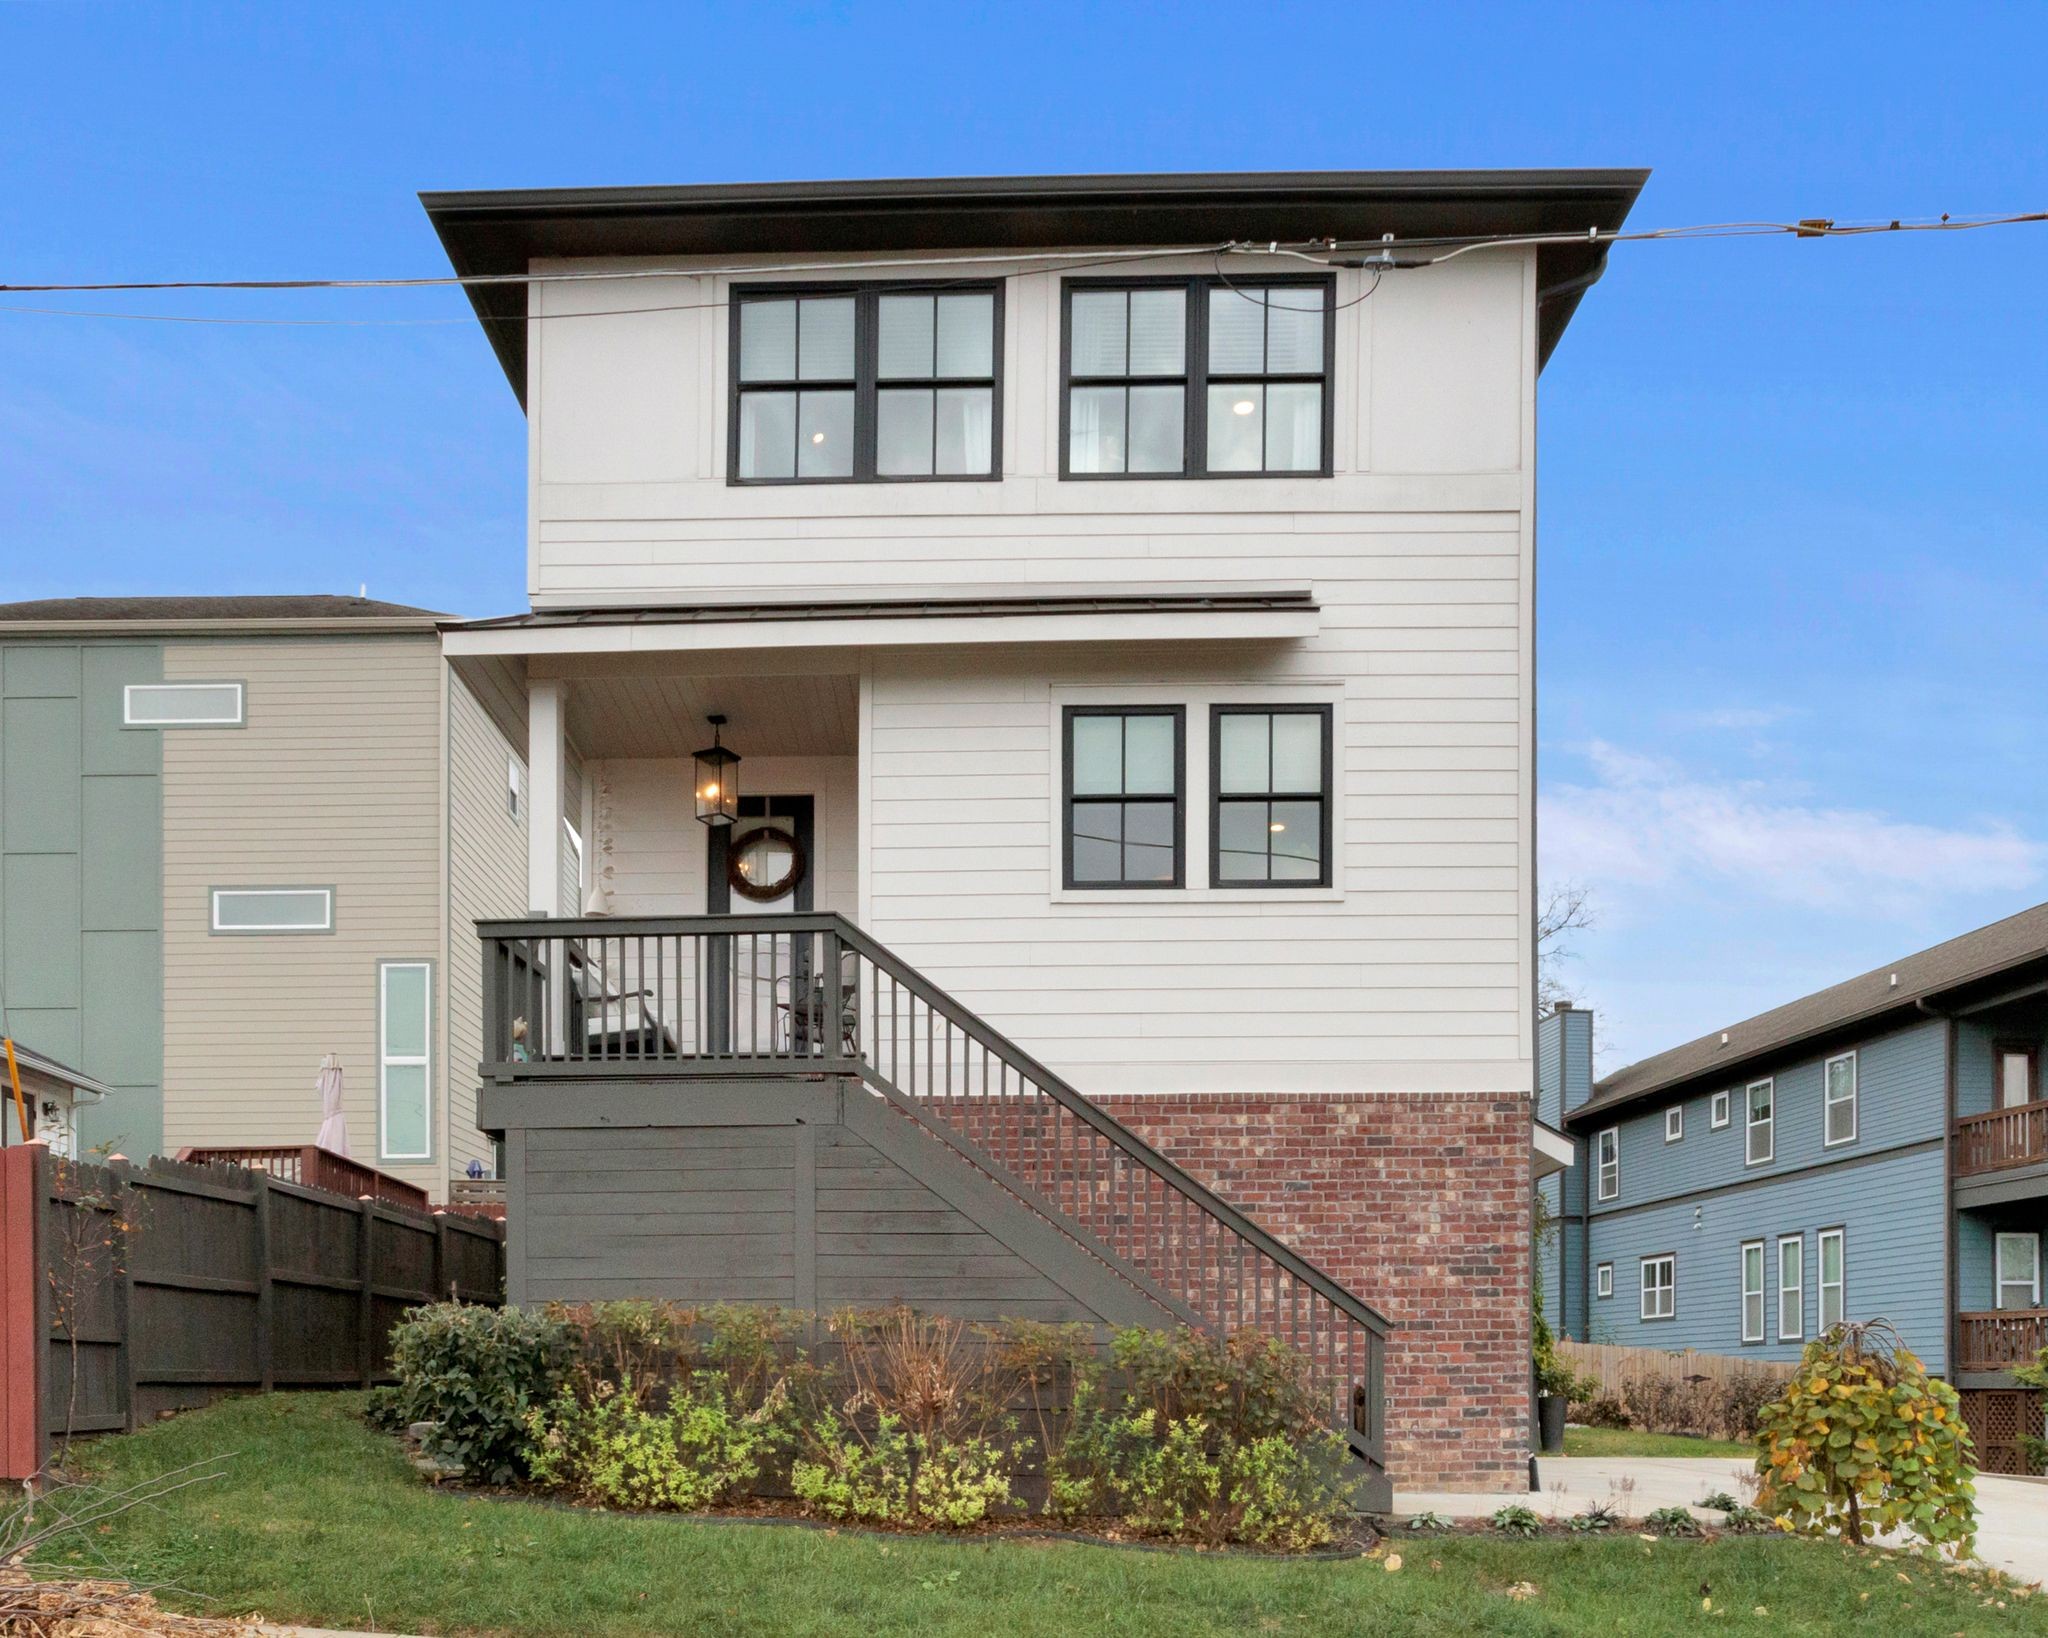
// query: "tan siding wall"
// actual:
[[486, 877], [336, 781]]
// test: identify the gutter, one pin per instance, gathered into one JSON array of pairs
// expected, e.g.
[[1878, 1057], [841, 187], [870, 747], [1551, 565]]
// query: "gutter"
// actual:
[[369, 626]]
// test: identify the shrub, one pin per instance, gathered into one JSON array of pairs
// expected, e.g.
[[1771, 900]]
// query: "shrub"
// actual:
[[1672, 1521], [1516, 1521], [1429, 1522], [1597, 1518], [694, 1451], [1660, 1403], [1602, 1410], [1737, 1401], [1244, 1386], [1720, 1501], [476, 1374], [890, 1473], [1743, 1520], [1554, 1373], [2034, 1451], [1863, 1442]]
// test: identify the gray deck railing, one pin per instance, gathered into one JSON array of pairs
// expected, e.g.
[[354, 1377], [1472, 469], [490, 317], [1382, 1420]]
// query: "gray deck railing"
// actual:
[[776, 994]]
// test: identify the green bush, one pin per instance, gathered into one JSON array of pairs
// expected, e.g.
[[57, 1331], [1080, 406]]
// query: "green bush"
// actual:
[[1554, 1373], [613, 1447], [2034, 1451], [888, 1473], [476, 1374], [1673, 1521], [1516, 1521]]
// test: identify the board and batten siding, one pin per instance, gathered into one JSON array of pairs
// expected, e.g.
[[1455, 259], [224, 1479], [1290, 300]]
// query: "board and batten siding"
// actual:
[[1416, 974], [335, 781]]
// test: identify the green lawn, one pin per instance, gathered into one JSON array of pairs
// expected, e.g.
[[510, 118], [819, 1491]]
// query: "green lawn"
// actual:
[[1628, 1442], [319, 1520]]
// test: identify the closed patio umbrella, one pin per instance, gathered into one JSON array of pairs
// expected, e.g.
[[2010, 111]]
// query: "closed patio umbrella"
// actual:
[[333, 1124]]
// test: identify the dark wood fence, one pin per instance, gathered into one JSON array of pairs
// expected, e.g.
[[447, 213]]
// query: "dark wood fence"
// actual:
[[126, 1291], [317, 1168]]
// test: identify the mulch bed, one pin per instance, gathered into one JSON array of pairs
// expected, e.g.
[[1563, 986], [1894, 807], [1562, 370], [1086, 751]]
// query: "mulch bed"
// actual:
[[31, 1608]]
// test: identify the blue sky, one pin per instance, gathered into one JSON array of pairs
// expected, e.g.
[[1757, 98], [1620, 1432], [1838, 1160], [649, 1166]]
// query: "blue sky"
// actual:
[[1794, 564]]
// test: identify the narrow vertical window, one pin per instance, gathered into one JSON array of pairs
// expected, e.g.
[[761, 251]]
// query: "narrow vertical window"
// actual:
[[1717, 1112], [1761, 1142], [1753, 1291], [1608, 1163], [1125, 818], [2019, 1271], [1660, 1287], [404, 1059], [1834, 1279], [1603, 1280], [515, 787], [1791, 1288], [1271, 803], [1674, 1123], [1838, 1117], [2018, 1067]]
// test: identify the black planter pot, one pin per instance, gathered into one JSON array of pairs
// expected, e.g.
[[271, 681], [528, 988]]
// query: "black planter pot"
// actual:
[[1550, 1422]]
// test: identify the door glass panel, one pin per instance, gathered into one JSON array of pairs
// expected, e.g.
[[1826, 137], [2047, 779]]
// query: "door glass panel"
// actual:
[[1148, 755]]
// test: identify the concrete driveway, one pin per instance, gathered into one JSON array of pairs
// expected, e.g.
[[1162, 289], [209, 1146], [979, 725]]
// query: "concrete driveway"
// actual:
[[2012, 1514]]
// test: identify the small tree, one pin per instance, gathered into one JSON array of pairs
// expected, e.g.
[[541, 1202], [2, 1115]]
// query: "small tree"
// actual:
[[1863, 1442]]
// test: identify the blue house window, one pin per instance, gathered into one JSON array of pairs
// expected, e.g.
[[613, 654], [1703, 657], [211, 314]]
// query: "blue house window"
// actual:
[[1839, 1097], [1760, 1134], [1608, 1155], [1753, 1291]]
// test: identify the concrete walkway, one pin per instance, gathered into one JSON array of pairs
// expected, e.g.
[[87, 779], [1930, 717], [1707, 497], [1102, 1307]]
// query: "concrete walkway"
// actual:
[[2012, 1514]]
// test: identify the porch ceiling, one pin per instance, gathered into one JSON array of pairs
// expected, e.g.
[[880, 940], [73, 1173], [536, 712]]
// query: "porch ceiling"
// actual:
[[663, 716]]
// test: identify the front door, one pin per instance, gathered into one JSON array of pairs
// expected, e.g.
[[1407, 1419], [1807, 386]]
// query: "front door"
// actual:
[[2018, 1068], [762, 862]]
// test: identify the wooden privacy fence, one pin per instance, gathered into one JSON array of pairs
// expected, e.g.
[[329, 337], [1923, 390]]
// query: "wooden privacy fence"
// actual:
[[1611, 1366], [126, 1291]]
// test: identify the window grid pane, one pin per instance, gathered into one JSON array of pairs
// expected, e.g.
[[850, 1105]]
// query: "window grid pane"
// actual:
[[1272, 796], [1123, 798]]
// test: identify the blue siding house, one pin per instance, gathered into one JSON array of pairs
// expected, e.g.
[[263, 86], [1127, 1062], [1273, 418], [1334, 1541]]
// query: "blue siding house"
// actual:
[[1876, 1149]]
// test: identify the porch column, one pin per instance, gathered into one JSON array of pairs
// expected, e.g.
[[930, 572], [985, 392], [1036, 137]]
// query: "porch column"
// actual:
[[546, 777]]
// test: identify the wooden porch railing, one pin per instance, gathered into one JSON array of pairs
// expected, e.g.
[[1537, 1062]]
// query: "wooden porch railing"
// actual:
[[776, 994], [315, 1168], [2000, 1340], [2001, 1139]]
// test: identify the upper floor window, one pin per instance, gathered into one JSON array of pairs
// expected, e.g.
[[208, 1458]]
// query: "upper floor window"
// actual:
[[1204, 377], [2018, 1068], [1607, 1166], [273, 909], [2018, 1270], [847, 384], [182, 705], [1674, 1123], [1272, 796], [1838, 1095], [1125, 772], [1717, 1112], [1759, 1138]]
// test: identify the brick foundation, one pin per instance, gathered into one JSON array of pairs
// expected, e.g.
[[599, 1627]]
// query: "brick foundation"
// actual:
[[1420, 1205]]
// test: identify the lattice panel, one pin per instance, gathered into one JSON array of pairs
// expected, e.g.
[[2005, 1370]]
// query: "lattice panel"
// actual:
[[1998, 1418]]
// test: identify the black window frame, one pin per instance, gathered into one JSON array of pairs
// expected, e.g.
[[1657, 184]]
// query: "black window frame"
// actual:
[[1325, 799], [867, 297], [1196, 378], [1068, 715]]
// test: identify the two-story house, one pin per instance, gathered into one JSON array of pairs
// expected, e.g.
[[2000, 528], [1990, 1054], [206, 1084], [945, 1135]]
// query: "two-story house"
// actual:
[[1059, 650], [1876, 1149]]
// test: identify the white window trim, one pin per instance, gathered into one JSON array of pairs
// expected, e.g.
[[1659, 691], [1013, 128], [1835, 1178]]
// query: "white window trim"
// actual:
[[1198, 701], [1998, 1280], [1841, 1284], [1607, 1187], [1674, 1123], [390, 1060], [1796, 1291], [1750, 1123], [515, 789], [1828, 1101], [129, 719], [1603, 1280], [1644, 1289], [259, 929], [1717, 1112], [1756, 1334]]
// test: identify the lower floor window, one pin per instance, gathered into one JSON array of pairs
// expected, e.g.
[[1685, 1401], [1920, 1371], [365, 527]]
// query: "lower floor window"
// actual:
[[1603, 1280], [2019, 1271], [1833, 1278], [404, 1059], [1791, 1289], [1660, 1287], [1753, 1291]]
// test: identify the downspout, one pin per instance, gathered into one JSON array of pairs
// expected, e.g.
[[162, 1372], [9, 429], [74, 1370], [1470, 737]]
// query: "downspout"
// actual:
[[1948, 1184]]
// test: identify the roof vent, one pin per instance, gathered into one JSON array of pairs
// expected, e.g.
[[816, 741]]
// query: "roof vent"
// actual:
[[1895, 980], [1724, 1037]]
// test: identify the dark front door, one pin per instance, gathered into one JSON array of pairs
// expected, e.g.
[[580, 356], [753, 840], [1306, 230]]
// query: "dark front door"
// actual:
[[761, 863]]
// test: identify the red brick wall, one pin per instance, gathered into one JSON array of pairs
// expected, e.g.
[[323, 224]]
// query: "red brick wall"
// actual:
[[1421, 1206]]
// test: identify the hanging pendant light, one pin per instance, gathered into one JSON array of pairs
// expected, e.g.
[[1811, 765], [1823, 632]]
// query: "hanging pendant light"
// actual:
[[718, 780]]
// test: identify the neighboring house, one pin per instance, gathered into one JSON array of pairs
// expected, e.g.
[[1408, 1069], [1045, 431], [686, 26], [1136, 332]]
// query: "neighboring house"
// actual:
[[1133, 640], [54, 1098], [225, 832], [1877, 1149]]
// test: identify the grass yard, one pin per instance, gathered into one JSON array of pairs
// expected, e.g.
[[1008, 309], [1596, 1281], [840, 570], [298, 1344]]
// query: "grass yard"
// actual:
[[1628, 1442], [319, 1520]]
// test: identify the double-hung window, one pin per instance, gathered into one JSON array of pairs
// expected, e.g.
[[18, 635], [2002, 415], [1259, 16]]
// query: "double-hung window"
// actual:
[[1791, 1288], [1271, 819], [1834, 1278], [1753, 1291], [1607, 1163], [1204, 377], [1838, 1096], [1126, 766], [1758, 1137], [2019, 1271], [1660, 1287], [847, 384], [404, 1059]]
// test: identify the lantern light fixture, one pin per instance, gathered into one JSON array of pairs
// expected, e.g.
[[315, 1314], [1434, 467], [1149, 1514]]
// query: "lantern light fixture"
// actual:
[[718, 780]]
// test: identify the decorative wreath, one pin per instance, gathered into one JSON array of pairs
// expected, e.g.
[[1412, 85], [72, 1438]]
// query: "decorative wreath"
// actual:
[[761, 892]]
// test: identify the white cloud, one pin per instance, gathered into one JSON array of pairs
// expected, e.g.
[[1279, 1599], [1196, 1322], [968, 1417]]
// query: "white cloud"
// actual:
[[1737, 718], [1647, 823]]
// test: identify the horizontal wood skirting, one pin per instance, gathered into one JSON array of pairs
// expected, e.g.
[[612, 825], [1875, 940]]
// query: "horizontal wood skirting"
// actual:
[[1745, 1184]]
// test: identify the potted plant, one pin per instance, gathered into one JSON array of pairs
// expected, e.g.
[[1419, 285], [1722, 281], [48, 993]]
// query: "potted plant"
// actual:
[[1557, 1385]]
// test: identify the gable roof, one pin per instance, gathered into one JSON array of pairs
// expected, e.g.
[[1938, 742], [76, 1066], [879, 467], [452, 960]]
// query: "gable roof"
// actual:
[[1931, 975], [213, 613], [501, 231]]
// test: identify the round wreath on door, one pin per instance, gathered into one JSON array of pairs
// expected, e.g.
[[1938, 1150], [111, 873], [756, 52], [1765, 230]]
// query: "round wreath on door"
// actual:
[[764, 865]]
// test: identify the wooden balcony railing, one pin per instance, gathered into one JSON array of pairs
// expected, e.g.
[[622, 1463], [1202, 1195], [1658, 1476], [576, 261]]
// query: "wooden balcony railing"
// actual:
[[1999, 1341], [2002, 1139], [315, 1168]]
